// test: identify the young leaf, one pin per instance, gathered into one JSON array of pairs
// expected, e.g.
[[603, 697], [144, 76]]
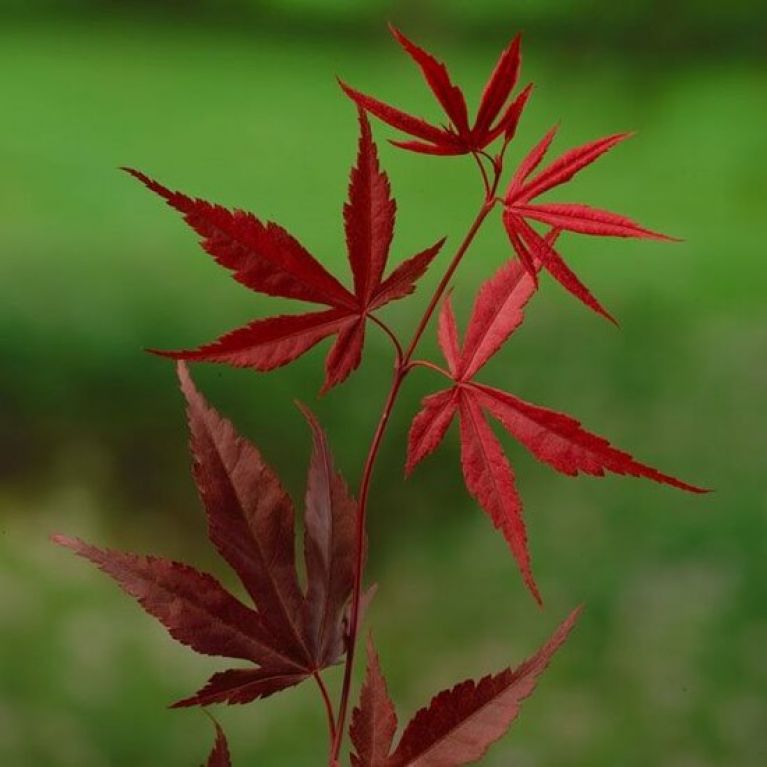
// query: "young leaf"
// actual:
[[329, 549], [374, 721], [582, 219], [553, 438], [289, 635], [266, 259], [460, 137], [460, 724]]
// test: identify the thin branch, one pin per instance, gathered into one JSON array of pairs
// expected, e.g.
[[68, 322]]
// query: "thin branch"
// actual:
[[389, 332], [328, 705], [429, 366], [367, 474], [485, 177]]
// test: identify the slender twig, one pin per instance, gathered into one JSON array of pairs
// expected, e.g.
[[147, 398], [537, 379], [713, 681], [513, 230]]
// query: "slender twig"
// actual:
[[367, 475], [403, 367], [429, 366], [485, 178], [487, 206], [328, 705], [395, 341]]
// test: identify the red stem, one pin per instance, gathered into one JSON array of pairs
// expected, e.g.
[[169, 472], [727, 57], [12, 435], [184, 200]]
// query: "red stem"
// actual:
[[328, 705], [402, 369], [429, 366]]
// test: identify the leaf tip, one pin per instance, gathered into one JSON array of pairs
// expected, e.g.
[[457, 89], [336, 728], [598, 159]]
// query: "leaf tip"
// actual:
[[395, 32], [307, 413], [533, 589], [66, 541]]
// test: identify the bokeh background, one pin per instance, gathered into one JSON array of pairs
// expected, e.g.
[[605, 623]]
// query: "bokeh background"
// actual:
[[236, 101]]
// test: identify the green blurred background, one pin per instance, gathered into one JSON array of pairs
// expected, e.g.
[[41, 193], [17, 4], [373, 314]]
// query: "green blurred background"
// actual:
[[236, 101]]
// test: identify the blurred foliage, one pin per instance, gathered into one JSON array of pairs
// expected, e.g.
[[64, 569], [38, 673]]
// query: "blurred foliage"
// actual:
[[739, 25], [667, 668]]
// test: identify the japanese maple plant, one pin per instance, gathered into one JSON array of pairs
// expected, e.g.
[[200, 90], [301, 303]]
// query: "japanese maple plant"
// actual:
[[299, 627]]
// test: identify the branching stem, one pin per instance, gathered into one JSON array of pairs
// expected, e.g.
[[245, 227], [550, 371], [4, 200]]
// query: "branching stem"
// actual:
[[328, 705], [404, 365]]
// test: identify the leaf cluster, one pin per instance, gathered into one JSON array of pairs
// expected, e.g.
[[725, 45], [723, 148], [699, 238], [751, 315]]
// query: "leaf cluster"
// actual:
[[302, 618]]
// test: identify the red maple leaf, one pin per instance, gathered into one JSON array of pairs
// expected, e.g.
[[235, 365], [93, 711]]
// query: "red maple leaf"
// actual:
[[291, 633], [374, 721], [494, 117], [267, 259], [519, 210], [458, 726], [552, 437]]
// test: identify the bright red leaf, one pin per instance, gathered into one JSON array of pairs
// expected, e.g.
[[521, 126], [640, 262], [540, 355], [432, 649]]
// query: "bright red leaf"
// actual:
[[519, 210], [495, 116], [552, 437], [267, 259], [292, 632]]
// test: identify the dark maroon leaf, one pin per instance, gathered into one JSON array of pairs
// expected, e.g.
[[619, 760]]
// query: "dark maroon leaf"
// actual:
[[250, 517], [239, 686], [193, 606], [460, 724], [290, 635], [329, 550], [374, 721], [219, 756]]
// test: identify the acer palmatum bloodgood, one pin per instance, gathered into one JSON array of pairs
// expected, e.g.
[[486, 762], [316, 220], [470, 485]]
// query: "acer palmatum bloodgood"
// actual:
[[293, 631]]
